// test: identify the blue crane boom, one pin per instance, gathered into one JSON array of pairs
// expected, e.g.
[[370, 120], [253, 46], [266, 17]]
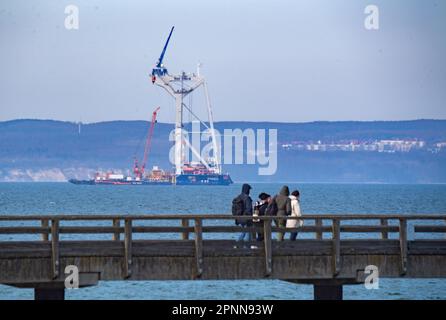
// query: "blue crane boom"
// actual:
[[160, 60], [159, 69]]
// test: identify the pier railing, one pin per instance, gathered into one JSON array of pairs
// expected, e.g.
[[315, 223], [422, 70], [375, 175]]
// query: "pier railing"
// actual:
[[124, 227]]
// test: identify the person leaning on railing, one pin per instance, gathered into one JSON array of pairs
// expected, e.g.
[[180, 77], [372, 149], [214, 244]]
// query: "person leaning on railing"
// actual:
[[295, 212], [280, 206], [242, 206]]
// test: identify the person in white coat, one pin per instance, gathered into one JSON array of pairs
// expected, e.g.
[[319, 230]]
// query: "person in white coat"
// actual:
[[295, 212]]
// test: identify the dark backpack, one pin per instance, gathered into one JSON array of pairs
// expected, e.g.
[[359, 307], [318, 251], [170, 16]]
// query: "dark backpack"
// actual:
[[272, 208], [238, 207]]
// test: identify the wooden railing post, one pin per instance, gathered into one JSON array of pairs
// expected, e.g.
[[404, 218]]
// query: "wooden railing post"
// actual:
[[116, 234], [267, 238], [336, 238], [55, 247], [403, 245], [384, 234], [319, 232], [185, 234], [198, 229], [128, 247], [45, 224]]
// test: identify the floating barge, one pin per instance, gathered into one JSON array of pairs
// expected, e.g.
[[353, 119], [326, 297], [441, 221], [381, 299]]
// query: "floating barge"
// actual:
[[194, 175]]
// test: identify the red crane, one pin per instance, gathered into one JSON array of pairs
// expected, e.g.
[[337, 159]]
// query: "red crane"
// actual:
[[139, 172]]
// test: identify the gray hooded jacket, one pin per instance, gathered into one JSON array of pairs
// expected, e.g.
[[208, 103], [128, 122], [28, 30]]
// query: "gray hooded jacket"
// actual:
[[283, 202]]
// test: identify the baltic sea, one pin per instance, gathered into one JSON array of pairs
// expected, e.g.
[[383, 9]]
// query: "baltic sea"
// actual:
[[64, 198]]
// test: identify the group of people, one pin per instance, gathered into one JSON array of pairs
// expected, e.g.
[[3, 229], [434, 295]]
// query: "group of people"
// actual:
[[280, 205]]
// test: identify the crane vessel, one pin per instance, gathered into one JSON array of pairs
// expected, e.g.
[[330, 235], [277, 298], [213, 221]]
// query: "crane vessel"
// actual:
[[202, 172]]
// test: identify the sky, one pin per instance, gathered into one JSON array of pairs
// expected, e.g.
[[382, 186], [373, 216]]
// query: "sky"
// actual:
[[286, 61]]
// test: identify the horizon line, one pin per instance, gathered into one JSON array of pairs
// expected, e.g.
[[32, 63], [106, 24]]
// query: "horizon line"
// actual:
[[223, 121]]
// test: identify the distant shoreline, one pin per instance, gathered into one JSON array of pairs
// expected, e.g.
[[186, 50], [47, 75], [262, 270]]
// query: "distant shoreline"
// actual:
[[76, 122], [358, 152]]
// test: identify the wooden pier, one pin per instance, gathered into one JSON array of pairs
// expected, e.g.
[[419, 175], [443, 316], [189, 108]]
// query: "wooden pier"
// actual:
[[328, 254]]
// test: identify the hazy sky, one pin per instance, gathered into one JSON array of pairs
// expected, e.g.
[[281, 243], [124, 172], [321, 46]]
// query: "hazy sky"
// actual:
[[264, 60]]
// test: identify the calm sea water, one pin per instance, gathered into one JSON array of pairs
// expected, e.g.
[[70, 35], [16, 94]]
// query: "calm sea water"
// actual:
[[64, 198]]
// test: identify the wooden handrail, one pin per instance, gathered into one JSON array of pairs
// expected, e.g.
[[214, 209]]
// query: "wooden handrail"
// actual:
[[223, 217], [198, 247], [403, 245], [430, 229], [27, 230], [336, 238], [384, 227], [45, 224], [384, 234], [319, 232], [55, 247], [128, 247], [267, 238], [340, 224], [185, 224], [116, 234], [116, 231]]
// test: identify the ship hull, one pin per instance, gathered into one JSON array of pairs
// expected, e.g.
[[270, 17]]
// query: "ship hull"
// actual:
[[182, 180], [203, 179], [87, 182], [119, 182]]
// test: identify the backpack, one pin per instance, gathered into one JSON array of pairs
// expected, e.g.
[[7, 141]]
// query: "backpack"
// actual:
[[272, 208], [238, 207]]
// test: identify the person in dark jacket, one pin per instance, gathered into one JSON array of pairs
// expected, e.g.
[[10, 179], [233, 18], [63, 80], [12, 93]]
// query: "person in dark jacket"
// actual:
[[247, 211], [260, 210], [283, 203]]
